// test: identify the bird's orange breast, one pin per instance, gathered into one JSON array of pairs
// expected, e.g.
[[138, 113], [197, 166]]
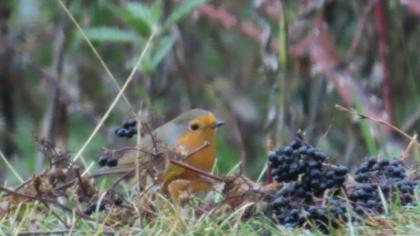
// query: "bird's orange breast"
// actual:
[[204, 158]]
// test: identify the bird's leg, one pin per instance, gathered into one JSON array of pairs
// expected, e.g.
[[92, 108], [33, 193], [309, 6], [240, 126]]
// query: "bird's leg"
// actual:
[[180, 189]]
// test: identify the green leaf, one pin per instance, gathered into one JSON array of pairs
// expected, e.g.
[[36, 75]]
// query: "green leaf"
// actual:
[[163, 47], [156, 11], [110, 34], [139, 17], [180, 12]]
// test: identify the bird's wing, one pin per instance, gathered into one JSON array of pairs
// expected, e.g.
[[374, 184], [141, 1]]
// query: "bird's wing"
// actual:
[[171, 133]]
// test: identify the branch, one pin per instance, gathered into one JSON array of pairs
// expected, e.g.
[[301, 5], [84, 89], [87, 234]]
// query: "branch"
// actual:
[[377, 120], [203, 146], [199, 171]]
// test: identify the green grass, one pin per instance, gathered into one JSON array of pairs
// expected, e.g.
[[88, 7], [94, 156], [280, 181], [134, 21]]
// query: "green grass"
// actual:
[[170, 219]]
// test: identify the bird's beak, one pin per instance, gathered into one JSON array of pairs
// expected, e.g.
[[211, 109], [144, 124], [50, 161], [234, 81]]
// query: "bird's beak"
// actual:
[[218, 123]]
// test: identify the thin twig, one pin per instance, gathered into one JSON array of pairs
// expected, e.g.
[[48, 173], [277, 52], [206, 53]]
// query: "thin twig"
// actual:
[[406, 152], [117, 98], [173, 161], [199, 171], [137, 161], [65, 185], [111, 171], [203, 146], [95, 52], [23, 184], [11, 168], [121, 178], [377, 120], [81, 183]]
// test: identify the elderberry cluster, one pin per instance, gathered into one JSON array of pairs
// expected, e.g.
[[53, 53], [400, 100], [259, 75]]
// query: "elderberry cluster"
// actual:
[[373, 171], [332, 214], [303, 165], [127, 129], [293, 208], [300, 159], [288, 204], [304, 202], [386, 177]]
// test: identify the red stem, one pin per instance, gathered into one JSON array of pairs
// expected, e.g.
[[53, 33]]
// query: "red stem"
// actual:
[[382, 45]]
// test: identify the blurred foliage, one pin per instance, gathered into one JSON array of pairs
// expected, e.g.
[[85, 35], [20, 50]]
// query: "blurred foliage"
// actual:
[[224, 56]]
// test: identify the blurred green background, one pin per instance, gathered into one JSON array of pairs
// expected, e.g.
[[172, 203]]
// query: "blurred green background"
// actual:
[[266, 67]]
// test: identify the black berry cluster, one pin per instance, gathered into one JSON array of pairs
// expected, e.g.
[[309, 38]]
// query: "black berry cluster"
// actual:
[[304, 200], [303, 165], [127, 129], [107, 158], [287, 206], [386, 177], [373, 171], [332, 214], [292, 209], [365, 199], [92, 208], [300, 159]]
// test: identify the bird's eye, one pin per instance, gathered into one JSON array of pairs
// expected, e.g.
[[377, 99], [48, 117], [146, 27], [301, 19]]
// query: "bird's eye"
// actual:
[[194, 127]]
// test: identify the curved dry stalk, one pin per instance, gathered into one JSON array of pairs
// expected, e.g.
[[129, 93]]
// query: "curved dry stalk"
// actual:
[[377, 120], [116, 99], [11, 168], [95, 52]]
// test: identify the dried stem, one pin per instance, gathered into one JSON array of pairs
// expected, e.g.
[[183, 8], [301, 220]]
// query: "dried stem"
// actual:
[[121, 178], [81, 183], [203, 146], [406, 152], [199, 171], [377, 120], [116, 99], [96, 53], [11, 168]]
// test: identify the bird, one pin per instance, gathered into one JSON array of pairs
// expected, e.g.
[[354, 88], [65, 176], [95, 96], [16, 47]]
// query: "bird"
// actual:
[[194, 131]]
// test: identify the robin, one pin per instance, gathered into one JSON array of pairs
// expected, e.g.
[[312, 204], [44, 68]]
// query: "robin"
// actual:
[[190, 130]]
